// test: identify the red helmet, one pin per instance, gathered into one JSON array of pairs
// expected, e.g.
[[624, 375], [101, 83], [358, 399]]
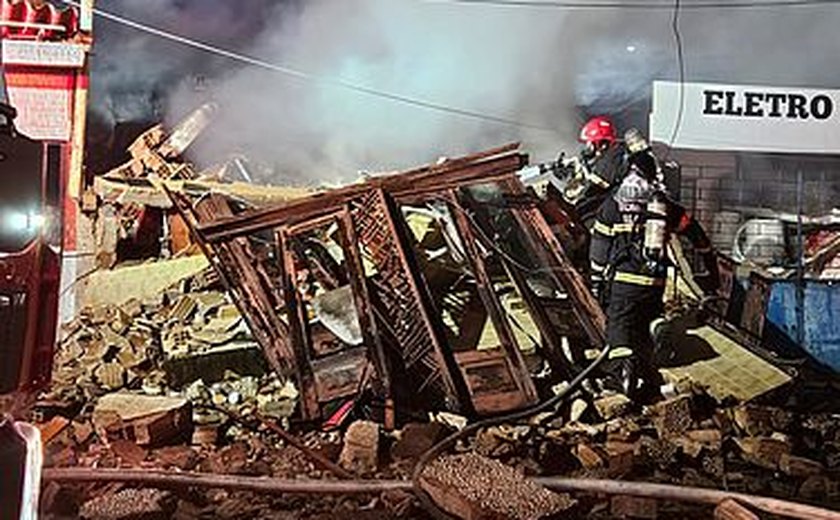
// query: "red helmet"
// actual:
[[598, 130]]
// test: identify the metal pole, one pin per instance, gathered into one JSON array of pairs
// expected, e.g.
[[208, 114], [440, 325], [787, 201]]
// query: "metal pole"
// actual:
[[268, 485], [800, 263]]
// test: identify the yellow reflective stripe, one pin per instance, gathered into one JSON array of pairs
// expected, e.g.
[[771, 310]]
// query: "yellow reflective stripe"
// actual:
[[623, 228], [619, 352], [638, 279], [597, 179], [602, 228], [597, 267]]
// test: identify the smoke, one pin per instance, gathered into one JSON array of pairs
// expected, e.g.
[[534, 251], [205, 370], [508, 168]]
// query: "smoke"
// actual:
[[537, 66], [505, 66], [134, 73]]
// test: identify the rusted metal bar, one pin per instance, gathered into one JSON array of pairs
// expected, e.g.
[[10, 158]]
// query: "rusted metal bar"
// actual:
[[689, 494], [167, 479]]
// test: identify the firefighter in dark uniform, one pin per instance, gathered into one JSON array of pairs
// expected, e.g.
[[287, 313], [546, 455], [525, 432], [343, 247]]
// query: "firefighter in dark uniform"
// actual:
[[602, 166], [628, 251]]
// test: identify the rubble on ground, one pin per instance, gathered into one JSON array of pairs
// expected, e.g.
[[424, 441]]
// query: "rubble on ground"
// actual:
[[348, 316]]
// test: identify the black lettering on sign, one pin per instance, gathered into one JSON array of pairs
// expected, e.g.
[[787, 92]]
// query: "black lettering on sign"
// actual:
[[822, 106], [796, 106], [767, 104], [731, 109], [712, 105], [753, 105], [776, 101]]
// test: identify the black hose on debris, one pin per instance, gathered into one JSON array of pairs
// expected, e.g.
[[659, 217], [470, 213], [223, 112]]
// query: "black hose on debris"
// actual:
[[436, 450]]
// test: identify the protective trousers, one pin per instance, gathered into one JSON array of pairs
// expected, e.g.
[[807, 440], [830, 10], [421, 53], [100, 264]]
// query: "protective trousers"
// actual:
[[631, 309]]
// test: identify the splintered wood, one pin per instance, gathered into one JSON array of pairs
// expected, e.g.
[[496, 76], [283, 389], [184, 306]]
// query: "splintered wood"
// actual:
[[473, 487]]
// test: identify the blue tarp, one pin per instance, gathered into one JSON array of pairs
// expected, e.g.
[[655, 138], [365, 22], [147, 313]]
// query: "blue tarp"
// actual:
[[822, 317]]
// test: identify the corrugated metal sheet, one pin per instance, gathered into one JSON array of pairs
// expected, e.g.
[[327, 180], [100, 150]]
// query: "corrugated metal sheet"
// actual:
[[822, 317]]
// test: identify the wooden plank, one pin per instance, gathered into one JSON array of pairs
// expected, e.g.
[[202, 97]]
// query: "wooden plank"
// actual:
[[485, 288], [396, 185], [367, 318], [300, 334]]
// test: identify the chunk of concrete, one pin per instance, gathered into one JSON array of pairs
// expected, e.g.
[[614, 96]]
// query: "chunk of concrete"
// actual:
[[146, 420], [360, 453]]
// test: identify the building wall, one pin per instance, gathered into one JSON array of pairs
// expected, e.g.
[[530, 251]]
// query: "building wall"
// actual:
[[723, 188]]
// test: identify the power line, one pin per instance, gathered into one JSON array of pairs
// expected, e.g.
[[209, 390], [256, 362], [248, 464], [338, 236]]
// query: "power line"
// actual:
[[675, 27], [560, 4], [332, 82]]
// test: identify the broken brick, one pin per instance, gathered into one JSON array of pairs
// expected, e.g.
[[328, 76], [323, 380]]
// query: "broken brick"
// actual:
[[756, 420], [129, 452], [181, 457], [672, 417], [799, 466], [588, 457], [612, 406], [623, 506], [361, 447], [765, 452], [729, 509], [417, 439], [620, 457]]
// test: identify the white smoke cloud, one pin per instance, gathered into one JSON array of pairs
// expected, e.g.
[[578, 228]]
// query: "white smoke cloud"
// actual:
[[531, 65], [504, 65]]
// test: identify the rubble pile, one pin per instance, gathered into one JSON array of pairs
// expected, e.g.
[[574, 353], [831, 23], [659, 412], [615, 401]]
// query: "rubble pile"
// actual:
[[189, 340], [365, 308], [690, 439]]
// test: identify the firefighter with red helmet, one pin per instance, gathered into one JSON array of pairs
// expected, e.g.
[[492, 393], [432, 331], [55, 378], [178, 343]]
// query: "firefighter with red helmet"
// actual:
[[628, 250], [600, 167]]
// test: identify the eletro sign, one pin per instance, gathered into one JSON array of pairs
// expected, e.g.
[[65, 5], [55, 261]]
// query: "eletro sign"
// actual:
[[766, 104], [737, 117]]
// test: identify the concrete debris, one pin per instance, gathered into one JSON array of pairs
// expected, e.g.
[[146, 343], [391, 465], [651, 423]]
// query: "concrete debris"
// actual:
[[130, 504], [470, 487], [377, 304], [360, 453], [147, 420]]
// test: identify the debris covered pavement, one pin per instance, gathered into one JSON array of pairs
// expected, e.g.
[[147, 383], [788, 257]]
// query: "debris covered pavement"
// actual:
[[346, 333]]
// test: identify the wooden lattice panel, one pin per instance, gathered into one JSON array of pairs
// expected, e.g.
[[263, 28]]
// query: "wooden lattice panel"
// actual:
[[400, 307]]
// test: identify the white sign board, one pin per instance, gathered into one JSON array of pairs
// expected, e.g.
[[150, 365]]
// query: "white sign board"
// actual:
[[43, 54], [747, 118]]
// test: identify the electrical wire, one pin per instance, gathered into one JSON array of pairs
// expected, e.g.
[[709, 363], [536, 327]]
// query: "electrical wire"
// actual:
[[559, 4], [314, 78], [675, 28]]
